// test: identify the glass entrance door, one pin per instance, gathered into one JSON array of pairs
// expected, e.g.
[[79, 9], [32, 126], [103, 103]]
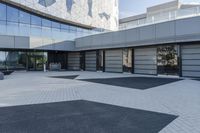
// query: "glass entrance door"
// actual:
[[167, 60], [36, 61]]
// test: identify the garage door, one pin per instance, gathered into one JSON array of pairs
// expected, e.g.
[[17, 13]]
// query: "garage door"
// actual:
[[113, 60], [74, 61], [191, 60], [90, 61], [145, 61]]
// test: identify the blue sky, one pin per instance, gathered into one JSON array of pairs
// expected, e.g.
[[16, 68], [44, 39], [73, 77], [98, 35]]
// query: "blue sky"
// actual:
[[133, 7]]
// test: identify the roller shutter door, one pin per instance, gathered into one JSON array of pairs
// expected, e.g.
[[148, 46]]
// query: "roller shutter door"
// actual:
[[113, 60], [145, 60], [90, 61], [74, 61], [191, 60]]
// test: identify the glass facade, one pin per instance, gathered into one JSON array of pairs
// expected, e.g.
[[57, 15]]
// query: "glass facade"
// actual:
[[25, 60], [57, 58], [12, 60], [14, 21], [167, 60], [36, 60]]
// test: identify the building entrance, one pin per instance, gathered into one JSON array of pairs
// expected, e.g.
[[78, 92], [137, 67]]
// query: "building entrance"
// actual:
[[36, 61], [167, 60]]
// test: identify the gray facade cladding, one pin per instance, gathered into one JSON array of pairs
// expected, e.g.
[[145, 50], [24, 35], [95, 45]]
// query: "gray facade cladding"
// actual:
[[74, 61], [151, 45], [190, 60], [182, 30], [145, 61], [90, 61], [113, 60]]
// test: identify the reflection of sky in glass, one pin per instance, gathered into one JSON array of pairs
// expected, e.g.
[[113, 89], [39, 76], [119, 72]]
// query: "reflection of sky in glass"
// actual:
[[69, 4]]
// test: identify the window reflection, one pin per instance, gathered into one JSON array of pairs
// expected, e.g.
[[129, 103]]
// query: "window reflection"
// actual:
[[35, 20], [12, 60], [12, 14], [46, 23], [12, 28], [3, 27], [24, 17], [100, 60], [17, 22], [55, 25], [2, 12], [127, 60], [24, 29], [168, 60], [36, 30], [2, 60], [15, 60]]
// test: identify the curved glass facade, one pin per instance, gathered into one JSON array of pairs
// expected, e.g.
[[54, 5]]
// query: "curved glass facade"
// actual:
[[17, 22]]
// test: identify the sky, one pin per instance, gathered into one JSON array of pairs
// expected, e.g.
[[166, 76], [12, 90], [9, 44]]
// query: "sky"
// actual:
[[134, 7]]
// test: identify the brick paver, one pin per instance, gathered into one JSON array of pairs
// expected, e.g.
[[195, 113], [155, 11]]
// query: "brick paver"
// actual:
[[178, 98]]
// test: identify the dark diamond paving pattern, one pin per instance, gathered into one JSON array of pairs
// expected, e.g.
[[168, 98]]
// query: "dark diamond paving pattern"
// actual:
[[80, 117], [66, 77], [141, 83]]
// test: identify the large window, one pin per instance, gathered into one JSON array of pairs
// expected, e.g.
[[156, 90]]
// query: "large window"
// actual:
[[127, 60], [15, 60], [168, 60], [12, 28], [100, 60], [14, 21], [35, 20], [2, 12], [24, 17], [3, 27], [12, 14], [46, 23], [2, 60], [64, 27], [55, 25]]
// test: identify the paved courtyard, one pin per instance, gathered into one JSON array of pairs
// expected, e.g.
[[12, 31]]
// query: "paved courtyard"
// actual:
[[170, 107]]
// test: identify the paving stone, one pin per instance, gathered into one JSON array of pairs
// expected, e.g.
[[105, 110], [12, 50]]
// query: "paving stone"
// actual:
[[179, 98]]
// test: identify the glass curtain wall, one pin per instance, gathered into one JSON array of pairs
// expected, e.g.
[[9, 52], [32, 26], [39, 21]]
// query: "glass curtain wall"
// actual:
[[57, 58], [127, 60], [19, 60], [12, 60], [14, 21], [167, 60]]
